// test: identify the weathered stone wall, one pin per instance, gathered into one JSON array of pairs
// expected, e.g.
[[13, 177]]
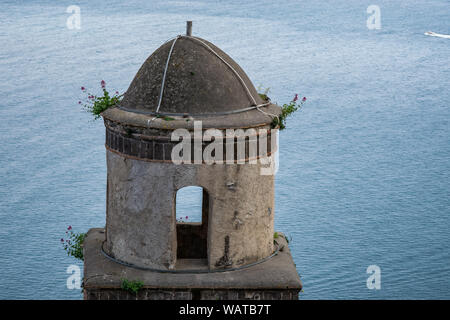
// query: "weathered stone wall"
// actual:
[[275, 278], [197, 294], [141, 221]]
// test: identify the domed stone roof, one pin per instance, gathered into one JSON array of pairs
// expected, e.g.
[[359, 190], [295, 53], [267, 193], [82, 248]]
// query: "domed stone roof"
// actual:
[[200, 80]]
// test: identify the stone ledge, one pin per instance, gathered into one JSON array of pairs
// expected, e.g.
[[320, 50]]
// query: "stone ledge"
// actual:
[[275, 274], [248, 119], [191, 294]]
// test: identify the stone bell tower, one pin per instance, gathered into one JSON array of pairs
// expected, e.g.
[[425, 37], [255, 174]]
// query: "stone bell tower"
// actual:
[[190, 117]]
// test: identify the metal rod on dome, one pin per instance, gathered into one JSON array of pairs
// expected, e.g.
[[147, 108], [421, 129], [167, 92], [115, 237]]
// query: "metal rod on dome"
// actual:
[[164, 75], [189, 28]]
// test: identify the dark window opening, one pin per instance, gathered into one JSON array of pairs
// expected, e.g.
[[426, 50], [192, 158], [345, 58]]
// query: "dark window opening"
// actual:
[[192, 208]]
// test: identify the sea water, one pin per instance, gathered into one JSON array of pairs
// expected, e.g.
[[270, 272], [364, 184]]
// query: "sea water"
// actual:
[[364, 166]]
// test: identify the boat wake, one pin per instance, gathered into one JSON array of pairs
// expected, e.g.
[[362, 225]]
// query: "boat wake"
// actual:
[[434, 34]]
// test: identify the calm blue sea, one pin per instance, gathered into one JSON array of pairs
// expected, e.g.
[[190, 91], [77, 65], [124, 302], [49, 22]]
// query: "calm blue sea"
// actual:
[[364, 174]]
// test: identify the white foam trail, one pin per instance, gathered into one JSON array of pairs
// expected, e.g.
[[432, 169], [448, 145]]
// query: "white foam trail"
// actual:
[[434, 34]]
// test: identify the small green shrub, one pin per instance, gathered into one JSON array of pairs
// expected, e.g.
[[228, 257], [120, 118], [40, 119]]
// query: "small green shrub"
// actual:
[[97, 104], [286, 110], [132, 286], [74, 243], [275, 235]]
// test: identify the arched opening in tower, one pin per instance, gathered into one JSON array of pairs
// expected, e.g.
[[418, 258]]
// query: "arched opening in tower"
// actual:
[[192, 209]]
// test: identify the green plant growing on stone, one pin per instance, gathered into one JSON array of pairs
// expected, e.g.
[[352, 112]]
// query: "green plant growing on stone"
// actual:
[[263, 95], [73, 245], [286, 110], [275, 235], [132, 286], [166, 118], [97, 104]]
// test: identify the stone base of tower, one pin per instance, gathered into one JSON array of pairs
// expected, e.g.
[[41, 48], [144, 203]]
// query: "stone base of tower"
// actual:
[[273, 279]]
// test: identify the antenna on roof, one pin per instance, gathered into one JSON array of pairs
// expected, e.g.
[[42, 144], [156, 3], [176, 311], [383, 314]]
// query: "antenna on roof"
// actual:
[[189, 28]]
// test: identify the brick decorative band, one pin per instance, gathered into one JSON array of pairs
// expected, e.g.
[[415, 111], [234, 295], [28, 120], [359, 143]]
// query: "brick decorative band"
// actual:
[[159, 148]]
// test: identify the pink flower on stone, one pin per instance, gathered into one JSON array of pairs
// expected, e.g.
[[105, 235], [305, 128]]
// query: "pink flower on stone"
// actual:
[[83, 88], [69, 228], [187, 217], [295, 98], [62, 240], [304, 99], [103, 84]]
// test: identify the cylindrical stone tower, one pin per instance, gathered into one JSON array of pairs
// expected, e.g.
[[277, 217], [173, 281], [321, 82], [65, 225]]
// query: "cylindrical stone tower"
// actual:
[[202, 86], [190, 117]]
